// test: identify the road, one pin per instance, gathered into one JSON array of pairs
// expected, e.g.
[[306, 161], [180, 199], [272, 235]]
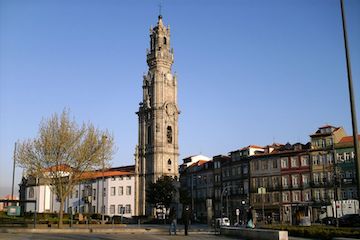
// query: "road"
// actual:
[[117, 236]]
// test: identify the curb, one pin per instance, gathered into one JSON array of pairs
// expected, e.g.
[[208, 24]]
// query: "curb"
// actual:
[[98, 230]]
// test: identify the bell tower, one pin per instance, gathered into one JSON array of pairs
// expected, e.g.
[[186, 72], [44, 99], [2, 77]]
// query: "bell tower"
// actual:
[[157, 150]]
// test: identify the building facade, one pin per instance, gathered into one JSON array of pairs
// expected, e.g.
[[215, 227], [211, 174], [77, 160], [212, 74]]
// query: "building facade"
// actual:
[[286, 183], [111, 190], [157, 150], [323, 167]]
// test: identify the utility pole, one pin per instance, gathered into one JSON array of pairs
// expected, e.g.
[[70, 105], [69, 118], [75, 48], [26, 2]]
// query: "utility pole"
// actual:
[[13, 177], [352, 101]]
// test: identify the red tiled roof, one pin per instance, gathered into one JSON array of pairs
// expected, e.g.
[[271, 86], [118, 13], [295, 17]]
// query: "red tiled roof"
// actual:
[[99, 174], [251, 146], [61, 167], [348, 139], [199, 163]]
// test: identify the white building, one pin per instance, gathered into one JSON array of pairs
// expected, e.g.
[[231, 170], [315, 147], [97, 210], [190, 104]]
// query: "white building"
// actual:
[[88, 196]]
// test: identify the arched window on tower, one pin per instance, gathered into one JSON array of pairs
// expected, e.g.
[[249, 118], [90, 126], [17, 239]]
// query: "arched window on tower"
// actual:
[[169, 165], [165, 40], [169, 134]]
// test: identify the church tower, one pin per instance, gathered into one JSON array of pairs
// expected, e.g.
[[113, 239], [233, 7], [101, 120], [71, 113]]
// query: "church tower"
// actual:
[[157, 150]]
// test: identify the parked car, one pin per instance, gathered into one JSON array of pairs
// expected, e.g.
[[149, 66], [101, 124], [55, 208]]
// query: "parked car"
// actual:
[[350, 220], [328, 221], [222, 222]]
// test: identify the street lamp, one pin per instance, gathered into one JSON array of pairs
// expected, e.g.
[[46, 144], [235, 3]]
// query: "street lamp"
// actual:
[[262, 191], [103, 139], [221, 201]]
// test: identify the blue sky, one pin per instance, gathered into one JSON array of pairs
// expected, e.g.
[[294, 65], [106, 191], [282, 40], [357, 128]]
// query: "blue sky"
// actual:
[[249, 71]]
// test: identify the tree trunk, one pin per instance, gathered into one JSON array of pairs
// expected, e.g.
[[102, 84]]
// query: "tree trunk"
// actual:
[[61, 213]]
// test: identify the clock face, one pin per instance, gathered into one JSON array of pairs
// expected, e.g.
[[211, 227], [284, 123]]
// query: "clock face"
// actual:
[[170, 109]]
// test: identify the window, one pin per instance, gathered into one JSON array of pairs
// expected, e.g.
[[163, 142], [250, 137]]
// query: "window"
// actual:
[[169, 165], [264, 165], [295, 180], [104, 191], [83, 193], [169, 134], [276, 197], [256, 165], [330, 158], [112, 209], [316, 177], [165, 41], [77, 193], [285, 197], [113, 178], [121, 191], [121, 209], [317, 195], [275, 163], [128, 177], [296, 196], [284, 162], [344, 195], [245, 169], [285, 181], [113, 191], [316, 159], [305, 160], [294, 162], [127, 208], [31, 192], [128, 190], [305, 179], [307, 196], [276, 181], [94, 194]]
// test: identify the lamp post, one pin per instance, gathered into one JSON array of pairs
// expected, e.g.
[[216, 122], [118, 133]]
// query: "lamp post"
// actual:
[[103, 139], [352, 101], [262, 191], [221, 201]]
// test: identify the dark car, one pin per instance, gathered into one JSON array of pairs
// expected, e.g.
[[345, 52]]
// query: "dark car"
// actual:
[[350, 220], [328, 221]]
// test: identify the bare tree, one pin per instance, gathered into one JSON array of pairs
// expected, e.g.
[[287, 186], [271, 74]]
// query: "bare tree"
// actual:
[[62, 152]]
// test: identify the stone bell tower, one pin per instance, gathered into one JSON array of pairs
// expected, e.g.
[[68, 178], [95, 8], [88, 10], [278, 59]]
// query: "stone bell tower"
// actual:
[[157, 150]]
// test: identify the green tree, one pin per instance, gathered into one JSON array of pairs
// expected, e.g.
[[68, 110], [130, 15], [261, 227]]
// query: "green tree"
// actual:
[[162, 192], [63, 152], [185, 198]]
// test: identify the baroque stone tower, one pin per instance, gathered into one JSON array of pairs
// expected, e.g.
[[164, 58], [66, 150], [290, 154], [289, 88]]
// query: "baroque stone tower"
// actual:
[[157, 150]]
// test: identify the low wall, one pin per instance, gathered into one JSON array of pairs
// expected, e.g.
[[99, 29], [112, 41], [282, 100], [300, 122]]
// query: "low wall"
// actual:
[[255, 234]]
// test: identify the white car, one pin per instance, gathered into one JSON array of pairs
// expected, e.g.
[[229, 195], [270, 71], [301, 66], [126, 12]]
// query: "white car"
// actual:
[[222, 222]]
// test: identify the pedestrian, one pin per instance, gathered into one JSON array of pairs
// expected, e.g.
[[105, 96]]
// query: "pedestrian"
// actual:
[[173, 219], [186, 217], [250, 220]]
